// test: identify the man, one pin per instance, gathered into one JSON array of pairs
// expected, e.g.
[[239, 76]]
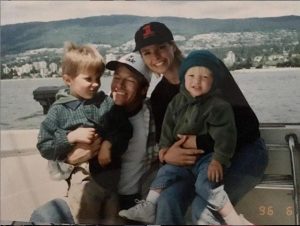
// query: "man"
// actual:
[[129, 88]]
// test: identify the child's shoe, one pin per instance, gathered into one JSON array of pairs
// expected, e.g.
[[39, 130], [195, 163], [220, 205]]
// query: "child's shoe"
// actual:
[[143, 211]]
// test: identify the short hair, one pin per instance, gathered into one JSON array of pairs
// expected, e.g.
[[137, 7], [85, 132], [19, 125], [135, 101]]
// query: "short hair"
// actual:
[[81, 58]]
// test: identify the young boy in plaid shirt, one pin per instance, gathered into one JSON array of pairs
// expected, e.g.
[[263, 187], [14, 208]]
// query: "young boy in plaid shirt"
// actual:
[[82, 115]]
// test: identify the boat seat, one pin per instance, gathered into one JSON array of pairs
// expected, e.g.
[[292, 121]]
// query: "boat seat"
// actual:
[[276, 198]]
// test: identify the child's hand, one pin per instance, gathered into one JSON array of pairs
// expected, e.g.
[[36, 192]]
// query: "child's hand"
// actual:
[[104, 155], [82, 135], [215, 171], [83, 152]]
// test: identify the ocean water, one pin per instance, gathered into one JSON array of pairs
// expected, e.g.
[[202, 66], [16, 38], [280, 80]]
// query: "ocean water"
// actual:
[[274, 95]]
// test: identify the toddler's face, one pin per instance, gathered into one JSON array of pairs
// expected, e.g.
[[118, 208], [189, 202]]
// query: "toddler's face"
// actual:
[[85, 85], [198, 80]]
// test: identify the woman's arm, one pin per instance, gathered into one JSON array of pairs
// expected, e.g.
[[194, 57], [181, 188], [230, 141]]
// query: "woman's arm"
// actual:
[[178, 155]]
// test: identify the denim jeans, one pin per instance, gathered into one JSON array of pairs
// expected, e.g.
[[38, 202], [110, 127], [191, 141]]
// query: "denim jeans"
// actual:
[[55, 211], [174, 201], [212, 192], [246, 170], [170, 174]]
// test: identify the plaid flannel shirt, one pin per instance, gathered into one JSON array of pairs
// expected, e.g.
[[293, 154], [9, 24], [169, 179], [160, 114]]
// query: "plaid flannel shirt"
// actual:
[[67, 114], [152, 146]]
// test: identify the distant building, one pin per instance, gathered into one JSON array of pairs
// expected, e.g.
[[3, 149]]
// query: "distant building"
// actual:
[[257, 59], [6, 69], [39, 65], [230, 59], [26, 68], [179, 38], [53, 67], [44, 72], [110, 56], [274, 59]]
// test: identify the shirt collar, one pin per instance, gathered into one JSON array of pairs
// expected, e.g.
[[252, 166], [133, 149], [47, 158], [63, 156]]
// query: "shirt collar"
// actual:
[[73, 104]]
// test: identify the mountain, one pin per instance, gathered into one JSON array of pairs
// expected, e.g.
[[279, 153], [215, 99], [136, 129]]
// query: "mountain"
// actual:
[[118, 29]]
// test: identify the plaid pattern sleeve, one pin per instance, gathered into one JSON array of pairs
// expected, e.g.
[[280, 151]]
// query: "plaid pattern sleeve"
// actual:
[[52, 140], [152, 146]]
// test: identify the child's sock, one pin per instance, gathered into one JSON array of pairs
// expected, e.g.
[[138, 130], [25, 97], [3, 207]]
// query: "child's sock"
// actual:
[[152, 196], [232, 218]]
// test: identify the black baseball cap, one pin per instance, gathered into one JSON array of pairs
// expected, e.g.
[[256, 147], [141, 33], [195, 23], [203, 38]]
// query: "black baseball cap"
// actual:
[[152, 33]]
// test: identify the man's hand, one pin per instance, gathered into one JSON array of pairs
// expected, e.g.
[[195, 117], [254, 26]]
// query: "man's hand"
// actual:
[[179, 156], [104, 155], [83, 152], [82, 135], [215, 171]]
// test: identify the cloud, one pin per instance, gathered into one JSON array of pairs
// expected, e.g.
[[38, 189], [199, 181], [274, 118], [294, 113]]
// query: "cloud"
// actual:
[[25, 11]]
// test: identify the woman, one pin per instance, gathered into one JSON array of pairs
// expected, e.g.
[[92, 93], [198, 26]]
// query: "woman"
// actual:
[[160, 53]]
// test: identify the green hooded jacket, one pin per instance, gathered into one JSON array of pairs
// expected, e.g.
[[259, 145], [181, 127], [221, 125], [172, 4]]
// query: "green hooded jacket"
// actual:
[[207, 114]]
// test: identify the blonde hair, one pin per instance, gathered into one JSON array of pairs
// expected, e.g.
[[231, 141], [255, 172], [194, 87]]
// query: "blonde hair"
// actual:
[[177, 54], [81, 58]]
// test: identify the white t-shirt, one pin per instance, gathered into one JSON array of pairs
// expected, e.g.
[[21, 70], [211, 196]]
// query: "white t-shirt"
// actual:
[[134, 158]]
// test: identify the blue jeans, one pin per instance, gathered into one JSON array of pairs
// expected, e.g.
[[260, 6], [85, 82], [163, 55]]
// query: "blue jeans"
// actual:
[[55, 211], [170, 174], [211, 192], [247, 170]]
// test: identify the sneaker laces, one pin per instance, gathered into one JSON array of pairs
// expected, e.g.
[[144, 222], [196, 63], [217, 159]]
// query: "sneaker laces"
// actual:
[[140, 203]]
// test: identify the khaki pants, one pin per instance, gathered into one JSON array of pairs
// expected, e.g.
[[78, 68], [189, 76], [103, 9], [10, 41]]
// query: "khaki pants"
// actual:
[[90, 203]]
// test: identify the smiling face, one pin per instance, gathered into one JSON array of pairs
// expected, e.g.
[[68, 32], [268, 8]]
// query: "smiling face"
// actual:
[[126, 89], [159, 57], [198, 80], [85, 85]]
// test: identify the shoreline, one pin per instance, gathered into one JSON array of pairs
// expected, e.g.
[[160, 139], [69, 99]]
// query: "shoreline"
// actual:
[[238, 70], [268, 69]]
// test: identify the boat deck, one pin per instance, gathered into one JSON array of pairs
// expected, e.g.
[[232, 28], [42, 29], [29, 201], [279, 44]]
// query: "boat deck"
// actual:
[[25, 183]]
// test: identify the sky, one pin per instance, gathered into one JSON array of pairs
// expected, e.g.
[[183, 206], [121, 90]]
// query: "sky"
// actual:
[[13, 12]]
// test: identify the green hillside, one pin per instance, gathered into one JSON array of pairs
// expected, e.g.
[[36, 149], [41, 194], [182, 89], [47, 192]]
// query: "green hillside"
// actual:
[[115, 30]]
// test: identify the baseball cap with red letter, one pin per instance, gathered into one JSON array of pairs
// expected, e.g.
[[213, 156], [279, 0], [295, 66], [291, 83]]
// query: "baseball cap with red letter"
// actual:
[[152, 33]]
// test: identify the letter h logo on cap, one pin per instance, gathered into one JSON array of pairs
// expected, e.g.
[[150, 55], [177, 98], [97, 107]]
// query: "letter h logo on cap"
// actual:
[[147, 31]]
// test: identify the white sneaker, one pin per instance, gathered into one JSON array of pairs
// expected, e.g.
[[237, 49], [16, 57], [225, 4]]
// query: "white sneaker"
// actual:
[[143, 211], [244, 221]]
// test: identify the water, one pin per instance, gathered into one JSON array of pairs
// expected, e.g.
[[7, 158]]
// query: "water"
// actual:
[[273, 94]]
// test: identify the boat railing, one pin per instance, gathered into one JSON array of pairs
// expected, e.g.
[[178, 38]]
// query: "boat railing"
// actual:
[[295, 165]]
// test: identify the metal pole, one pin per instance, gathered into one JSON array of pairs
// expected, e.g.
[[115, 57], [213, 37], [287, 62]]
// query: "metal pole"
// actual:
[[291, 141]]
